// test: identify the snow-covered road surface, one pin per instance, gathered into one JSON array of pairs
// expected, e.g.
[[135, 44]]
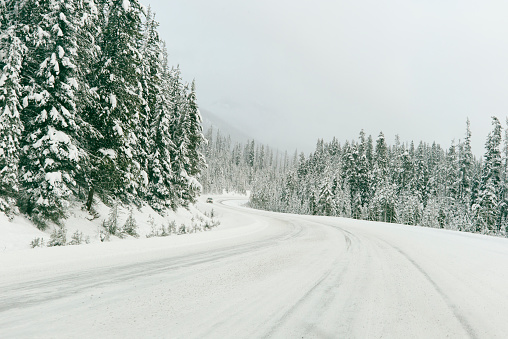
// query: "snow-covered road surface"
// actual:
[[261, 275]]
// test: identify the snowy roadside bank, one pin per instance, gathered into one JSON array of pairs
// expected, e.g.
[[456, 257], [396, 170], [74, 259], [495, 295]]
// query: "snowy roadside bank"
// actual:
[[25, 262], [19, 233]]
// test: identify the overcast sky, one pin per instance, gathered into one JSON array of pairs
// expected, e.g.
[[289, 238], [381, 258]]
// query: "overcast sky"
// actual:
[[289, 72]]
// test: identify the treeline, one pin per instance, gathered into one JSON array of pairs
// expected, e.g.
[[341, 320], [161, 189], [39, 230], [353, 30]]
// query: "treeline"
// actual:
[[402, 183], [235, 167], [89, 107]]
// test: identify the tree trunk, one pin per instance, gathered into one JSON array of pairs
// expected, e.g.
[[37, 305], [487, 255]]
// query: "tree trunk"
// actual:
[[89, 200]]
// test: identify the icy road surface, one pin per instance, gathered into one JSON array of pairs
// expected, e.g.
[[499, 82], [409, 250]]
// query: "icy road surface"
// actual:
[[263, 275]]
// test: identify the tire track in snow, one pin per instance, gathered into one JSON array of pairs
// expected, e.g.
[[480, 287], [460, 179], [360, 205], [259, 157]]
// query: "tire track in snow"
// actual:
[[451, 305], [43, 290], [322, 291]]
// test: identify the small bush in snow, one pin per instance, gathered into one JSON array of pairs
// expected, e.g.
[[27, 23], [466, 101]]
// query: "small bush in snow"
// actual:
[[77, 238], [58, 237], [158, 231], [164, 231], [196, 227], [211, 214], [37, 242], [198, 224], [111, 225], [182, 229], [172, 227], [151, 221], [209, 224], [103, 234], [154, 232], [130, 226]]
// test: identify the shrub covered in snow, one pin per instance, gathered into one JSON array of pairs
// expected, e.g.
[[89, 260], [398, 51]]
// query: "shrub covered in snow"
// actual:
[[130, 226], [110, 225], [37, 242], [58, 237], [78, 238]]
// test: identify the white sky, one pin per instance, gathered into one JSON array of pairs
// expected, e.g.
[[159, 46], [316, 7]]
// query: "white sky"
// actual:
[[289, 72]]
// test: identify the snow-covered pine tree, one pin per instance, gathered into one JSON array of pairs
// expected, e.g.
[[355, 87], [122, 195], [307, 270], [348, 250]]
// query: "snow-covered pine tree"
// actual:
[[51, 152], [503, 205], [196, 138], [383, 203], [381, 157], [152, 86], [420, 179], [90, 17], [249, 153], [451, 173], [116, 80], [486, 207], [186, 134], [326, 202], [180, 136], [466, 167], [382, 207], [161, 194], [358, 175], [436, 165], [12, 51], [395, 161], [407, 169]]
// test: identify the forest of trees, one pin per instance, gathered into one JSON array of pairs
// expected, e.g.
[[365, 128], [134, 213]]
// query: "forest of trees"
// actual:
[[234, 166], [90, 108], [368, 179], [403, 183]]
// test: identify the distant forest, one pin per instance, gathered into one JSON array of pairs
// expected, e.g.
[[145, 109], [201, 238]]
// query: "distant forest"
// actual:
[[90, 108], [414, 184]]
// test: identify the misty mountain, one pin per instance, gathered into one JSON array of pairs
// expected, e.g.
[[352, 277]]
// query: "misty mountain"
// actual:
[[211, 119]]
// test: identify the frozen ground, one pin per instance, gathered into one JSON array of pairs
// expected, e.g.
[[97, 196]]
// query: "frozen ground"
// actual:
[[263, 274]]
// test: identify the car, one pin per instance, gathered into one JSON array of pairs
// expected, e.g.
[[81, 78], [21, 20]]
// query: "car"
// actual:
[[209, 201]]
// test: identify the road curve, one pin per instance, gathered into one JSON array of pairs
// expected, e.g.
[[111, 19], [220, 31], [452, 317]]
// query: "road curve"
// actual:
[[282, 276]]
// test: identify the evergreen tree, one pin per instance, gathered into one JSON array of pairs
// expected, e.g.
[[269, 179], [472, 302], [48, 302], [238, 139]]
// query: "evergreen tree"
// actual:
[[87, 101], [451, 172], [51, 151], [466, 167], [381, 156], [486, 208], [196, 138], [503, 205], [180, 127], [382, 207], [421, 176], [152, 132], [326, 203], [11, 126], [161, 193], [118, 113]]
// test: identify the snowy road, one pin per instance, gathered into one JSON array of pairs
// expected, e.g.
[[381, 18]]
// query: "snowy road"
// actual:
[[263, 275]]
